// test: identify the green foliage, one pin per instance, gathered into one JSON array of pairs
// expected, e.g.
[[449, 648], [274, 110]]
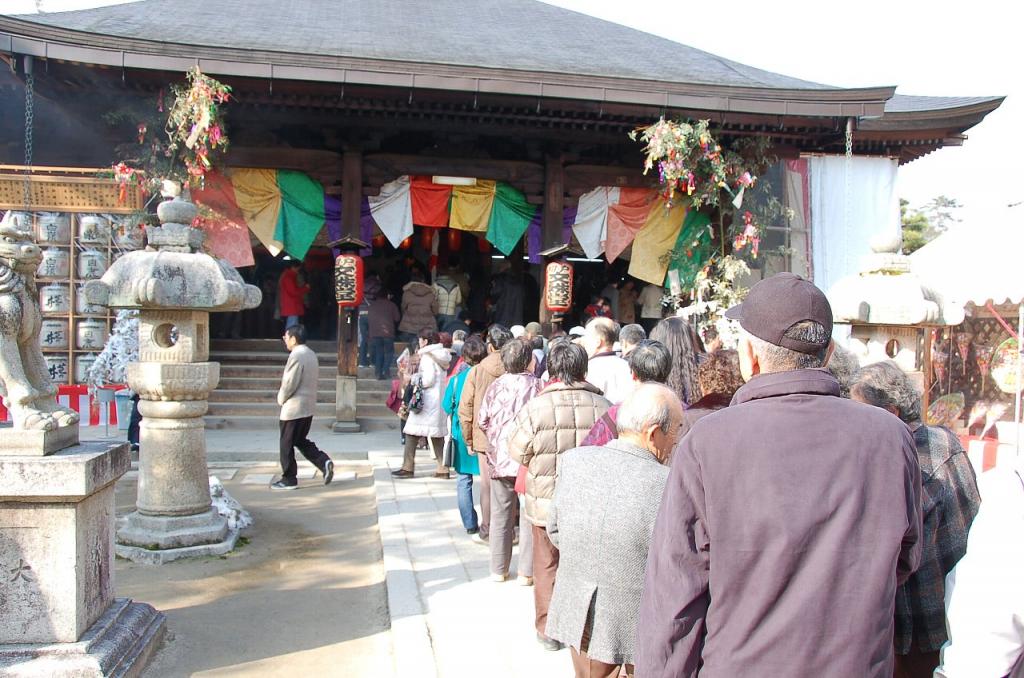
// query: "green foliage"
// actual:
[[921, 226]]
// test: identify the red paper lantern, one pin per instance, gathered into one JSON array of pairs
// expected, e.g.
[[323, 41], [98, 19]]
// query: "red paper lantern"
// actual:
[[482, 245], [348, 280], [406, 244], [427, 238], [379, 241], [454, 239], [558, 286]]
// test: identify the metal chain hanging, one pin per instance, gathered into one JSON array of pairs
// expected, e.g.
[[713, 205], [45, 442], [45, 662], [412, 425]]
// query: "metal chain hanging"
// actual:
[[847, 202], [29, 128]]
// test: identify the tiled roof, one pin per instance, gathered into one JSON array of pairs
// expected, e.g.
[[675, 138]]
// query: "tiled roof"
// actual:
[[902, 103], [522, 35]]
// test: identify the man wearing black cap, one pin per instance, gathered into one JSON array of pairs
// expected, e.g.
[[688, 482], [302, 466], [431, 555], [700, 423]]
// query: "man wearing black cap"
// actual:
[[788, 519]]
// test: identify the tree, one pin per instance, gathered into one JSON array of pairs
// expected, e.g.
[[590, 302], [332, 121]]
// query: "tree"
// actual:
[[941, 213], [917, 229]]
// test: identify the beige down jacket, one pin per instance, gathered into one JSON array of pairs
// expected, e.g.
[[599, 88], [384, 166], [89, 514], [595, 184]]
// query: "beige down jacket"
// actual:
[[556, 420], [478, 380]]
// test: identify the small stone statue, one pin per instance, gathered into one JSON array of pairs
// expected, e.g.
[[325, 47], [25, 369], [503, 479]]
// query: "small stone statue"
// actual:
[[25, 383]]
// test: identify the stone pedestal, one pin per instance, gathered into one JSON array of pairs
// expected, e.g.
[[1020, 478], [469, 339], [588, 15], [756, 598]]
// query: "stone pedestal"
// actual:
[[345, 406], [174, 518], [57, 560]]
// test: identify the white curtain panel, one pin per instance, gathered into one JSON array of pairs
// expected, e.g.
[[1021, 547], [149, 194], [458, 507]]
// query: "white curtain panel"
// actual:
[[844, 221], [392, 210], [591, 225]]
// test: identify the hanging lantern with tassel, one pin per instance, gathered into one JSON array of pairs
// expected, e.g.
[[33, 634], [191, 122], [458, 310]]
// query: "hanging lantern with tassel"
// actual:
[[482, 245], [427, 238], [454, 240], [558, 279], [379, 241], [406, 244], [348, 280]]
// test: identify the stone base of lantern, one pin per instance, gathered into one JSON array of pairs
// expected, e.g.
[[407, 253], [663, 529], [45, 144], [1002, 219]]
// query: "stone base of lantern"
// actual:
[[119, 643], [155, 540]]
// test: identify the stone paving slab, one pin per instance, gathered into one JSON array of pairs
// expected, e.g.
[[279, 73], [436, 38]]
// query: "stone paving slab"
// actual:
[[448, 619]]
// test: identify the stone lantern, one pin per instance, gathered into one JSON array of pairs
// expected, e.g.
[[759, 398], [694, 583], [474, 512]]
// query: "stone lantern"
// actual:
[[886, 305], [175, 287]]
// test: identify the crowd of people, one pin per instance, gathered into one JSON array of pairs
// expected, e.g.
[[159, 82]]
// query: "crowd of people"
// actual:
[[682, 510]]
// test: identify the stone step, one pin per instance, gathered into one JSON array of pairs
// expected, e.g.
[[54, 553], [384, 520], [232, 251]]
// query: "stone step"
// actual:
[[245, 370], [369, 422], [268, 395], [264, 383], [248, 422], [265, 358], [245, 345], [268, 409]]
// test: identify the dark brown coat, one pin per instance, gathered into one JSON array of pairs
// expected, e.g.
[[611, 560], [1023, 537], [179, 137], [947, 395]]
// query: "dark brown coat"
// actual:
[[787, 522]]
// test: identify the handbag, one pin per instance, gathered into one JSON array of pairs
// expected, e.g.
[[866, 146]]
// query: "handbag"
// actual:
[[394, 400], [448, 456], [416, 397]]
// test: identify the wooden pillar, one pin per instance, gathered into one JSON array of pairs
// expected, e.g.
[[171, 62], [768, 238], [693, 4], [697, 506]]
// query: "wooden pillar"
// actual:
[[551, 225], [348, 319], [554, 203]]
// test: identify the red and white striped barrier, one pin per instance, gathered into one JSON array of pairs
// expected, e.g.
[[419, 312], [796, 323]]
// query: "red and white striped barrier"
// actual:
[[92, 412]]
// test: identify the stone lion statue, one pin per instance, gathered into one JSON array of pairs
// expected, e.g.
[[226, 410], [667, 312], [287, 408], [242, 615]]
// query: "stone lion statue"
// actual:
[[25, 383]]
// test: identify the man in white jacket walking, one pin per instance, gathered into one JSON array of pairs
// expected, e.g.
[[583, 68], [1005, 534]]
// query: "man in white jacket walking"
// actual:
[[297, 398]]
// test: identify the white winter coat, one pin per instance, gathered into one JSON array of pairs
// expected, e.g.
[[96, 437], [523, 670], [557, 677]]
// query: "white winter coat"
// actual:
[[432, 375]]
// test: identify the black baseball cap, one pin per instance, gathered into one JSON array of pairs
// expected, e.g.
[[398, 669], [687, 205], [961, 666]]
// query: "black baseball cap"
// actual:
[[777, 303]]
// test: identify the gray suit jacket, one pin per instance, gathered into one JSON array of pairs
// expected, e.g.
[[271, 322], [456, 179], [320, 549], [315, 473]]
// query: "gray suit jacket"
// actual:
[[297, 396], [601, 520]]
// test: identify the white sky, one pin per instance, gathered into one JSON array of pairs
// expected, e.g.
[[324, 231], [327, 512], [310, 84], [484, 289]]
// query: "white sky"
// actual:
[[937, 48]]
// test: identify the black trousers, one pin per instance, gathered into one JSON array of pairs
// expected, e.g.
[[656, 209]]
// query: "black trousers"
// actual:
[[133, 421], [293, 434]]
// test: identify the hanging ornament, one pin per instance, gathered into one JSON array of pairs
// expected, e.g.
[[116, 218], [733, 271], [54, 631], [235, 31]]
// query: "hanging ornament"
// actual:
[[427, 238], [348, 280], [454, 239], [963, 347], [406, 244], [748, 236], [379, 241], [482, 245], [983, 357], [558, 277]]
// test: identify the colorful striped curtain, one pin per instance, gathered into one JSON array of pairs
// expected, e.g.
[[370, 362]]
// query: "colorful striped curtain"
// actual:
[[472, 206], [510, 218], [626, 218], [654, 241]]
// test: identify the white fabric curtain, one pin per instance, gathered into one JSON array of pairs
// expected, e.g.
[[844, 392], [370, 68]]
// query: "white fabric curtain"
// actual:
[[591, 224], [842, 225], [392, 210]]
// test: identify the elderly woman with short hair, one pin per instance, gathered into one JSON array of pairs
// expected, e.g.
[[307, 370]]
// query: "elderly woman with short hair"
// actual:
[[950, 500]]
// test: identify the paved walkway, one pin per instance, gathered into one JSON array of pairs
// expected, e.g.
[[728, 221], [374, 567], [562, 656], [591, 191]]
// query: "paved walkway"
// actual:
[[448, 619], [312, 593]]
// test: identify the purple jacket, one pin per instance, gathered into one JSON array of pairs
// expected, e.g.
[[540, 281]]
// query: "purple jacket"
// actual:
[[502, 402], [787, 522]]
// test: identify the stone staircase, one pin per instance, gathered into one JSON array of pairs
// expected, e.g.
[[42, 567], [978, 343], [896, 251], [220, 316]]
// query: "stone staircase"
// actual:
[[250, 375]]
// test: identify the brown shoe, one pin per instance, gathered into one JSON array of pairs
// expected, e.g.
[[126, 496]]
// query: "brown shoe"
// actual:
[[402, 473], [442, 474]]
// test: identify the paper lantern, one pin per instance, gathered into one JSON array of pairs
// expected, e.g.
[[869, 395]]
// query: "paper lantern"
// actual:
[[348, 280], [558, 286], [427, 238], [379, 241], [482, 245], [406, 244], [454, 239]]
